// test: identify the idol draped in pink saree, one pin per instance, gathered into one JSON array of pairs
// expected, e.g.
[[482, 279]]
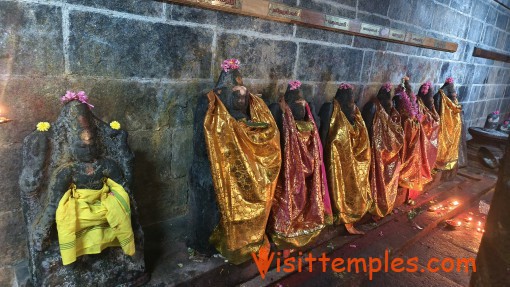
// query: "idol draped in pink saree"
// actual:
[[301, 205]]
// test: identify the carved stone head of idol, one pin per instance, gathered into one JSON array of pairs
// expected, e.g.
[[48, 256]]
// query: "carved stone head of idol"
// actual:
[[426, 94], [384, 97], [82, 139], [232, 91], [345, 96], [449, 89], [295, 100]]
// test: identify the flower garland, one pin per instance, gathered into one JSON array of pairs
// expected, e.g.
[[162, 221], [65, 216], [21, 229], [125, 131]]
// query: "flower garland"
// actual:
[[294, 85], [409, 102], [344, 86], [496, 113], [80, 96], [449, 80], [230, 64]]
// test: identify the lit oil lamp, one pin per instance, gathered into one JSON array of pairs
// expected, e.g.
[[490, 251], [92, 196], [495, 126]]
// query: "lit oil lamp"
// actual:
[[453, 223], [3, 119], [468, 219], [435, 207]]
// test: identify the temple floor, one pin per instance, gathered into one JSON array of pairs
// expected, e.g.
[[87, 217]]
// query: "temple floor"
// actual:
[[410, 231]]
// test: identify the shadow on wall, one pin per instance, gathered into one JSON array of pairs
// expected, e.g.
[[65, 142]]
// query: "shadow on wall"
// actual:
[[148, 181]]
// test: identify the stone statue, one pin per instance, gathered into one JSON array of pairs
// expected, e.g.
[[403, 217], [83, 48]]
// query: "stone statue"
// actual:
[[452, 150], [386, 139], [203, 206], [505, 126], [430, 126], [83, 151], [492, 121], [369, 110], [302, 179], [242, 143], [347, 158]]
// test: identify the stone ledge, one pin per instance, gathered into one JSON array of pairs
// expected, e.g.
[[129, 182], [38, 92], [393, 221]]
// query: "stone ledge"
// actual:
[[467, 186]]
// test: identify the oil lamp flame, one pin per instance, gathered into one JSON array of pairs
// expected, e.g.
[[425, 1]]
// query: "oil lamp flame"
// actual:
[[3, 119], [453, 223]]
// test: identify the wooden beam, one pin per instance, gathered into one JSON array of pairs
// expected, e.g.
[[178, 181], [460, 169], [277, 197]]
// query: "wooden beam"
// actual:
[[288, 14], [482, 53]]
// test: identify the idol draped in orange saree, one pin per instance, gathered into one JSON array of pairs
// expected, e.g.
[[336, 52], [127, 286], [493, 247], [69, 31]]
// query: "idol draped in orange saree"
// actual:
[[387, 141], [347, 156], [245, 162], [301, 205], [430, 132], [450, 127], [415, 171]]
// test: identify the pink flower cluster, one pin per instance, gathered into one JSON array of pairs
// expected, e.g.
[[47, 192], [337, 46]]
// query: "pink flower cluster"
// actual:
[[495, 112], [230, 64], [79, 96], [294, 85], [449, 80], [409, 104], [425, 87], [387, 86], [344, 86]]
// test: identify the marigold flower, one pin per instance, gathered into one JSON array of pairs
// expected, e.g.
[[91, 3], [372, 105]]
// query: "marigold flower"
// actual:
[[115, 125], [43, 126]]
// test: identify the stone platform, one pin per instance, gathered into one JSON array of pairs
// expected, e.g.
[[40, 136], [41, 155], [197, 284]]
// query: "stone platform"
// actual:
[[178, 266]]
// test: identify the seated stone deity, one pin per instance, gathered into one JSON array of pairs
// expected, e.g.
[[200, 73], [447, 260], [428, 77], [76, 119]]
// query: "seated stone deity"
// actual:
[[77, 175]]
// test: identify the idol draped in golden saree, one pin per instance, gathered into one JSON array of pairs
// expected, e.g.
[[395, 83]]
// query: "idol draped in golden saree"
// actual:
[[450, 127], [301, 205], [347, 158], [387, 138], [430, 129], [245, 162]]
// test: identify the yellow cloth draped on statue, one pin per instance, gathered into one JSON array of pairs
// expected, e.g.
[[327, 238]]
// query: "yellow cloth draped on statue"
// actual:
[[387, 141], [450, 127], [245, 164], [89, 221], [411, 154], [347, 157]]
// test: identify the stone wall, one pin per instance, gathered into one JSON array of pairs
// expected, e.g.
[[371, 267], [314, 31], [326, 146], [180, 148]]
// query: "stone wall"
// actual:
[[145, 63]]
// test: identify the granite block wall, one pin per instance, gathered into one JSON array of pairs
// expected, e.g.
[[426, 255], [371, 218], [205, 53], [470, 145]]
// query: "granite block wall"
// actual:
[[145, 63]]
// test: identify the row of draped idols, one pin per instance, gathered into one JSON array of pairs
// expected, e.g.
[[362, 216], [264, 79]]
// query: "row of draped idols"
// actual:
[[280, 168], [283, 170]]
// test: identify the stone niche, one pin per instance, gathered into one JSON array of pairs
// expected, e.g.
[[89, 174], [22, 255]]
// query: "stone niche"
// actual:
[[82, 149]]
